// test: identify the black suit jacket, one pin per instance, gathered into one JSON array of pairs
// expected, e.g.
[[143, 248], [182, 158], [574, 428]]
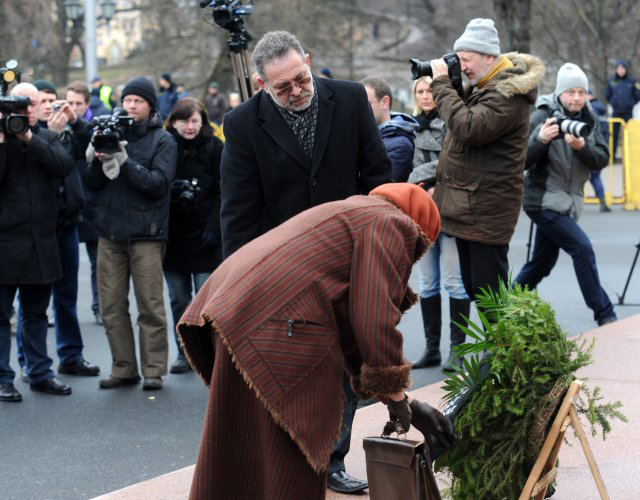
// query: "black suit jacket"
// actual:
[[266, 178]]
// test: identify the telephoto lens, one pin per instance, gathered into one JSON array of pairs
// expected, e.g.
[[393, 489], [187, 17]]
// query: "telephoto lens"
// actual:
[[575, 128]]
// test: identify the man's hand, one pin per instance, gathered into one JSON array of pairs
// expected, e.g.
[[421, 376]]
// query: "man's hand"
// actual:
[[111, 163], [549, 131], [58, 120], [430, 421], [90, 154], [121, 156], [576, 143], [400, 411], [69, 113], [439, 68], [25, 136]]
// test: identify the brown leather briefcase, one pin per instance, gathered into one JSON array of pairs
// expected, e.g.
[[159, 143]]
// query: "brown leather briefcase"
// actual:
[[399, 469]]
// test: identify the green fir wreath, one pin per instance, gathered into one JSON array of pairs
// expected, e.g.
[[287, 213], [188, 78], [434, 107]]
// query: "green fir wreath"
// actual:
[[503, 424]]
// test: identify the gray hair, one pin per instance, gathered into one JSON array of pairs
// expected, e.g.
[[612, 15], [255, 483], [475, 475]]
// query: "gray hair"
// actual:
[[274, 45]]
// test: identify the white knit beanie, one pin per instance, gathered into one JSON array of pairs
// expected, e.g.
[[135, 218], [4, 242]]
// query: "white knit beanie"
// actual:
[[480, 36], [569, 76]]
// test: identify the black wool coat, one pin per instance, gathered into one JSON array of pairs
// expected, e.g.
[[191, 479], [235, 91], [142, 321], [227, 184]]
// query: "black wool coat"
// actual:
[[266, 177], [29, 179], [189, 221]]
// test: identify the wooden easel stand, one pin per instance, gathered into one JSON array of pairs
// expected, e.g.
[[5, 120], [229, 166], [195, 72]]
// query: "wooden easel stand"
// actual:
[[544, 470]]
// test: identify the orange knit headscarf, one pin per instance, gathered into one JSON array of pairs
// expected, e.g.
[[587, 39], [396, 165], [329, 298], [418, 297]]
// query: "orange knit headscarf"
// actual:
[[416, 203]]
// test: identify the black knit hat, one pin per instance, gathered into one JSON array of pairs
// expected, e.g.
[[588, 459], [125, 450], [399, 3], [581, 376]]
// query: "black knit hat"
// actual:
[[142, 87], [45, 85]]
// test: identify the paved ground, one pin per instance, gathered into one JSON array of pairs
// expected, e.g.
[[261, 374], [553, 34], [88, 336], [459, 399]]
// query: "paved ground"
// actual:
[[617, 457], [96, 441]]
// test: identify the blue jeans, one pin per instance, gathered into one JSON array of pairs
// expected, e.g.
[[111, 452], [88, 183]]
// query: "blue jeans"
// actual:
[[430, 269], [180, 287], [33, 316], [65, 297], [554, 232]]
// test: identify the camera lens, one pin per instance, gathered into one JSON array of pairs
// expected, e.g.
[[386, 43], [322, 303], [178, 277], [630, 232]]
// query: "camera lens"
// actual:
[[420, 68], [16, 124], [575, 128]]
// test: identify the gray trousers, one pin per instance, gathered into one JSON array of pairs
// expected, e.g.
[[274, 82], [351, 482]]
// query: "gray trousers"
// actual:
[[140, 261]]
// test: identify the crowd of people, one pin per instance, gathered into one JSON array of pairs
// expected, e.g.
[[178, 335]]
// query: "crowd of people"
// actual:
[[296, 236]]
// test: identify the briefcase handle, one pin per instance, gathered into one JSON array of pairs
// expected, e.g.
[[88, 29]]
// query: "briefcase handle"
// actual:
[[391, 427]]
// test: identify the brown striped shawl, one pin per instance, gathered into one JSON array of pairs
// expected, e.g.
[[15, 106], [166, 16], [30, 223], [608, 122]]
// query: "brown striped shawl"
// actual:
[[322, 291]]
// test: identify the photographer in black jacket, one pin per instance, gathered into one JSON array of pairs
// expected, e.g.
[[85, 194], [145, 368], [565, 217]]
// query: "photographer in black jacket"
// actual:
[[58, 117], [194, 248], [31, 164], [132, 218]]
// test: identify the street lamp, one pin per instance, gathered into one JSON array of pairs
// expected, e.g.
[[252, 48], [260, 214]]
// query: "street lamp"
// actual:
[[73, 11], [108, 8]]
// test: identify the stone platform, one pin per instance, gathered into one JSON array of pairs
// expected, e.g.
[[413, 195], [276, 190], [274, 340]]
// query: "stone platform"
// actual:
[[616, 370]]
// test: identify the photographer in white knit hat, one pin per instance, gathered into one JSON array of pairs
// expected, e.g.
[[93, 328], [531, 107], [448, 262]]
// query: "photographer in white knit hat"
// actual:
[[479, 182], [558, 165]]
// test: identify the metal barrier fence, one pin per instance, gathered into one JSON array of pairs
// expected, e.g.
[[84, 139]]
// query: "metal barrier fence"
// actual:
[[626, 178]]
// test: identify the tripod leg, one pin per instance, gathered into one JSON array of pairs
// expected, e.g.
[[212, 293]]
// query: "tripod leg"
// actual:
[[635, 259], [529, 242], [241, 73]]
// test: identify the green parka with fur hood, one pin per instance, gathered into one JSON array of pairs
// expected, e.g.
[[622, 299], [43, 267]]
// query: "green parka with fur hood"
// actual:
[[479, 184]]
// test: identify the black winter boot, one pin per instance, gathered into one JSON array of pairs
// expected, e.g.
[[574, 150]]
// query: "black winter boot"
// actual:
[[457, 308], [432, 321], [603, 205]]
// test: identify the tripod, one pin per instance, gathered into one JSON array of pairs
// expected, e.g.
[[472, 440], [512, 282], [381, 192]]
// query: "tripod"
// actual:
[[633, 265], [226, 14]]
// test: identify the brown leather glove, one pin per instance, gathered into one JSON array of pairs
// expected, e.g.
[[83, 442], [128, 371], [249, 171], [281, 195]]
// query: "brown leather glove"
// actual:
[[399, 411], [431, 422]]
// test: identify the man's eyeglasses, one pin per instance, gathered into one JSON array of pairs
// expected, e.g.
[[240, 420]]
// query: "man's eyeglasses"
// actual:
[[299, 82]]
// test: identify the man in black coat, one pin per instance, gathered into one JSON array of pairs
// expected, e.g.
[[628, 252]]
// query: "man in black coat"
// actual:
[[299, 143], [31, 165], [74, 135]]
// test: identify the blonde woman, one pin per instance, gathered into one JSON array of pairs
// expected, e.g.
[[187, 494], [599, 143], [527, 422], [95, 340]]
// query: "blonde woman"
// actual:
[[441, 263]]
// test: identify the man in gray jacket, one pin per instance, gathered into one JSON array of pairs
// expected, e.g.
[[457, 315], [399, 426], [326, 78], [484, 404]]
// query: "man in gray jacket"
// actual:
[[559, 164]]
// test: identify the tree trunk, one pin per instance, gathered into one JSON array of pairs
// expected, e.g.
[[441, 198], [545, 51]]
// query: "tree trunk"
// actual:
[[514, 19]]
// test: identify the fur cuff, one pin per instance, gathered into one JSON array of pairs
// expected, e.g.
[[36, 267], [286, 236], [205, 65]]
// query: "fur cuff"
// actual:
[[381, 380]]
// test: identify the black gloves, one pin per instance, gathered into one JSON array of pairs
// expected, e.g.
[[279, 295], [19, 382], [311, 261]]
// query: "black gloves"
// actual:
[[431, 422], [399, 411]]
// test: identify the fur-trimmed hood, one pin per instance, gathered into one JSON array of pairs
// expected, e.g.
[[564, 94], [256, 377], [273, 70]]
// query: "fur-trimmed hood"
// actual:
[[521, 79]]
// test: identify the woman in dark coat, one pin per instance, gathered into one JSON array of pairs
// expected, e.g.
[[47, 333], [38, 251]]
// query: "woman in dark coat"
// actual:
[[194, 248]]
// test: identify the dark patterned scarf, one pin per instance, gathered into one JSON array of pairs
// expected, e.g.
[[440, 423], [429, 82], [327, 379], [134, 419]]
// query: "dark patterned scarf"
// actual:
[[303, 124]]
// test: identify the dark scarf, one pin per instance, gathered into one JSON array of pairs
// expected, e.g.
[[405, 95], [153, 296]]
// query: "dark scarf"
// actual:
[[424, 120], [303, 124]]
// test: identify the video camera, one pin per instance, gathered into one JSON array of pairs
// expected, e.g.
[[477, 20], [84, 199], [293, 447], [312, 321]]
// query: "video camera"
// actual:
[[10, 106], [226, 13], [109, 130], [568, 126], [423, 68]]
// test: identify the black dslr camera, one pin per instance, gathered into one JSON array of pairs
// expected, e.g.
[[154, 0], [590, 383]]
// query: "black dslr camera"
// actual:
[[185, 191], [109, 130], [12, 122], [423, 68], [568, 126]]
